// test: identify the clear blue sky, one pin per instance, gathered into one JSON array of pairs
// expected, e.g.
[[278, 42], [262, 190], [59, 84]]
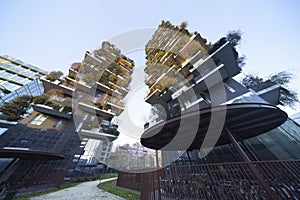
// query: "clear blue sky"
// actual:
[[53, 34]]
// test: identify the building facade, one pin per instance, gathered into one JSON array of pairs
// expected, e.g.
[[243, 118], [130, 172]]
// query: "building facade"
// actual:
[[187, 74], [74, 119], [97, 87], [18, 78]]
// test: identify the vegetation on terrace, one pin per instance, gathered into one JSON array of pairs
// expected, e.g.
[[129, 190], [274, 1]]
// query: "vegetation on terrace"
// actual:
[[16, 108], [54, 98], [287, 96]]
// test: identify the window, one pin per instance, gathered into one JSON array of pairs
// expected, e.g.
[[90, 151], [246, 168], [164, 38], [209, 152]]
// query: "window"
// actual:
[[58, 124], [38, 119], [229, 88]]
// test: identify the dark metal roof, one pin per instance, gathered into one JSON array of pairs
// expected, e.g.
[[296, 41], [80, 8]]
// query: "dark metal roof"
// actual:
[[244, 120], [29, 154]]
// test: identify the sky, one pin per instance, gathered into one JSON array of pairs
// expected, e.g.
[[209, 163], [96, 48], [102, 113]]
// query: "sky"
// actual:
[[53, 34]]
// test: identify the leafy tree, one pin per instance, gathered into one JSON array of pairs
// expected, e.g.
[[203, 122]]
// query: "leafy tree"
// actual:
[[16, 108], [251, 81], [281, 78], [183, 25], [76, 66], [234, 37], [287, 97], [55, 92], [41, 99], [54, 75]]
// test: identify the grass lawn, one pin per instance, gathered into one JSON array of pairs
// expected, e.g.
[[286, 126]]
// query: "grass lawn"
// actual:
[[106, 176], [110, 186], [28, 196]]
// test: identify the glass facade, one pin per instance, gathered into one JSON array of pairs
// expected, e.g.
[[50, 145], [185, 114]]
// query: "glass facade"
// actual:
[[18, 78], [33, 88]]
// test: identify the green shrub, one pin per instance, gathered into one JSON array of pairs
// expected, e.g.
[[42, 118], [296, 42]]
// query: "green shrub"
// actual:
[[41, 99]]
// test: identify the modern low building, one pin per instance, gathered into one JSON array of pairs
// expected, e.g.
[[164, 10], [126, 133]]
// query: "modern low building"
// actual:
[[39, 132]]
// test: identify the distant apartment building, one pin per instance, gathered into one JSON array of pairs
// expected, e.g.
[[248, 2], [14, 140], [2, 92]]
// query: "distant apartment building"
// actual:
[[18, 78]]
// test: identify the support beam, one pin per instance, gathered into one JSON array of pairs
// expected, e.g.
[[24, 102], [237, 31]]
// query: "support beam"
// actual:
[[255, 172], [187, 152]]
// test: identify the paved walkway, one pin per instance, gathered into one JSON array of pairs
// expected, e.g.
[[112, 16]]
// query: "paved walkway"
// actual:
[[83, 191]]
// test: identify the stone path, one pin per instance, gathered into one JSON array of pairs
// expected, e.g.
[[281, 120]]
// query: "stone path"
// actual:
[[83, 191]]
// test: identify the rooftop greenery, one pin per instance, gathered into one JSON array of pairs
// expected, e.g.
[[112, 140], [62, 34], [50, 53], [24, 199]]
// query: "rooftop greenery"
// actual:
[[287, 97], [54, 75], [16, 108]]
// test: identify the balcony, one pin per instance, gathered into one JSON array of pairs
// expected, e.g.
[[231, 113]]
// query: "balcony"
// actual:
[[58, 85], [107, 89], [62, 111], [53, 104], [104, 131], [152, 96], [97, 135], [95, 110]]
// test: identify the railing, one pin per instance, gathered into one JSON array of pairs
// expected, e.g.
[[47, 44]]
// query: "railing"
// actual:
[[216, 181]]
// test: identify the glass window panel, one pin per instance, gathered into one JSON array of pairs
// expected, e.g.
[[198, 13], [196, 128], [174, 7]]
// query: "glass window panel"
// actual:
[[38, 119]]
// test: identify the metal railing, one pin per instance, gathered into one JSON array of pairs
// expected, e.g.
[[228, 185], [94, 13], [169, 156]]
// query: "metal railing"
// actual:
[[216, 181]]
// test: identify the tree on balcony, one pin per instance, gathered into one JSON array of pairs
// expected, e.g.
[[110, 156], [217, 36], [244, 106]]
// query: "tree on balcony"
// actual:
[[234, 38], [183, 25], [55, 92], [287, 97], [16, 108], [54, 75], [112, 78], [41, 99], [76, 66]]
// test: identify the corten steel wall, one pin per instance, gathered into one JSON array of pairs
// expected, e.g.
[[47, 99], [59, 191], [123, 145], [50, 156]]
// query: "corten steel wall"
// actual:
[[216, 181], [33, 176]]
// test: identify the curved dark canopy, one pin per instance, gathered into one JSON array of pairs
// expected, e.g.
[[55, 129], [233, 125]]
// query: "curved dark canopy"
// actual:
[[29, 154], [244, 120]]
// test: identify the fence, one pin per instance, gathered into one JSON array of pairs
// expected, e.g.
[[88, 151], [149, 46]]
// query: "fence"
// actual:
[[216, 181]]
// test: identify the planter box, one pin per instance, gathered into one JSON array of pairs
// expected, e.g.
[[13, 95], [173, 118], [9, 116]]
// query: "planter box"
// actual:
[[50, 111]]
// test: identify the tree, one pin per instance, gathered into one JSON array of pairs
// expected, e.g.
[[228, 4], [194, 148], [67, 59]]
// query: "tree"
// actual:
[[41, 99], [281, 78], [76, 66], [234, 37], [55, 92], [286, 97], [16, 108], [183, 25], [250, 81], [54, 75]]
